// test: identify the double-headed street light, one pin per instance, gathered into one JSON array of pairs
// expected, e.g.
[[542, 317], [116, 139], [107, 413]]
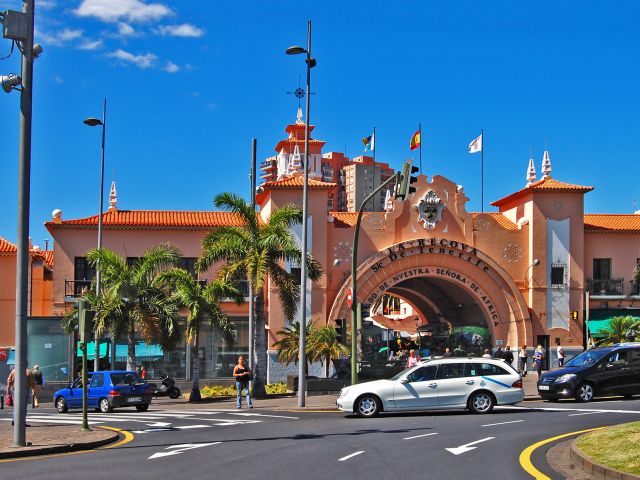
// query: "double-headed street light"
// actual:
[[302, 358], [94, 122]]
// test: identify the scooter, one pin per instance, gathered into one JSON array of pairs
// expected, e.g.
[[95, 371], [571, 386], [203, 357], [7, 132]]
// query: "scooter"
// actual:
[[167, 388]]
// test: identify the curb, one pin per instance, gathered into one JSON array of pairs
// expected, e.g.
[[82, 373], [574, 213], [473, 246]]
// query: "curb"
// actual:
[[596, 469], [55, 449]]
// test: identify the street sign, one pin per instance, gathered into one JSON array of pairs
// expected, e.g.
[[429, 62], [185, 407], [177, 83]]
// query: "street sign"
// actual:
[[349, 297]]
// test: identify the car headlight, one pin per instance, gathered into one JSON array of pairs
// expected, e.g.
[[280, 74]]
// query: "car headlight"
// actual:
[[565, 378]]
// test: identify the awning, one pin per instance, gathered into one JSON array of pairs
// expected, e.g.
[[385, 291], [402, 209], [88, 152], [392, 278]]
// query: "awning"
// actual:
[[143, 351], [599, 318]]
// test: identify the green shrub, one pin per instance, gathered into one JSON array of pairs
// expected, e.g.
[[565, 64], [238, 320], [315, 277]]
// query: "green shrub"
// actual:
[[230, 390], [276, 388]]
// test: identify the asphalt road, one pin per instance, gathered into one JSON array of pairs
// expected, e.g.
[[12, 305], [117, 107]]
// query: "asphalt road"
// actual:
[[247, 444]]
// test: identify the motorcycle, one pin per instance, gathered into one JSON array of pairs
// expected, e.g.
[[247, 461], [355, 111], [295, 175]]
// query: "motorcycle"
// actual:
[[167, 388]]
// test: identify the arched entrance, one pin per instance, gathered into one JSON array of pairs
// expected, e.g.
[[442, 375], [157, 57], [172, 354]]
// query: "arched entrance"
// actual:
[[446, 281]]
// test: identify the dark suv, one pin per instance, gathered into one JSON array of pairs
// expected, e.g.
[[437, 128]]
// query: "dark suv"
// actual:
[[597, 372]]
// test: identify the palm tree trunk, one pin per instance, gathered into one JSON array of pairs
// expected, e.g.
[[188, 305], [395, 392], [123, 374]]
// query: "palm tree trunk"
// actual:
[[131, 350], [327, 361], [195, 373], [260, 361]]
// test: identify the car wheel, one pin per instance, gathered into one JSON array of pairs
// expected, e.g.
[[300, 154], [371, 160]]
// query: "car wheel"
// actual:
[[174, 393], [584, 392], [61, 405], [105, 406], [367, 406], [481, 402], [142, 408]]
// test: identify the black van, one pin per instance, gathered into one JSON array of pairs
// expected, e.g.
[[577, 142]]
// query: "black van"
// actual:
[[597, 372]]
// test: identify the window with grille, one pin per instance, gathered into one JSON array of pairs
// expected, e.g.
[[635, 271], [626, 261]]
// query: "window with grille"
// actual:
[[558, 275]]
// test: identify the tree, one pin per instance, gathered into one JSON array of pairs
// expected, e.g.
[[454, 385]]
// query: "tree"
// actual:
[[131, 298], [257, 250], [202, 304], [324, 345], [617, 330]]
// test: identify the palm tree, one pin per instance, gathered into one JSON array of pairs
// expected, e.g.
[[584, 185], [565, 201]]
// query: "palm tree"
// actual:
[[617, 330], [288, 347], [636, 276], [324, 345], [202, 304], [257, 250], [131, 298]]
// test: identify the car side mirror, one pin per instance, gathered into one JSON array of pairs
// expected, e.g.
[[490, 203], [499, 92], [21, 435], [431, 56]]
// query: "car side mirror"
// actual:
[[405, 380]]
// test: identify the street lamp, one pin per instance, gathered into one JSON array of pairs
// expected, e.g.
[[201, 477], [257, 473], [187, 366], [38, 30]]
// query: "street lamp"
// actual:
[[302, 360], [94, 122]]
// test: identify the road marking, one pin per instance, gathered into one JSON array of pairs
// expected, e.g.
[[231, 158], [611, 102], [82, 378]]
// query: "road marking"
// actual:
[[187, 427], [585, 413], [264, 415], [128, 436], [178, 449], [151, 430], [501, 423], [467, 446], [419, 436], [556, 409], [350, 456], [51, 420], [525, 456]]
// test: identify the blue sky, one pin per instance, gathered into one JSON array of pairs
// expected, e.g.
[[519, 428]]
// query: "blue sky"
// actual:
[[190, 83]]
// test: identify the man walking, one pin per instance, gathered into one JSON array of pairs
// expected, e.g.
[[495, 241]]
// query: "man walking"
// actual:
[[560, 352], [508, 355]]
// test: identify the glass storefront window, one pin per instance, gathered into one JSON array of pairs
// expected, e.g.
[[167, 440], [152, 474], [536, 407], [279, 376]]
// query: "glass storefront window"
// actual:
[[48, 346], [216, 358], [154, 358]]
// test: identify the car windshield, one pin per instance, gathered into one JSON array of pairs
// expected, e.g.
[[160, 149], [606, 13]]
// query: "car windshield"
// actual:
[[127, 378], [586, 358]]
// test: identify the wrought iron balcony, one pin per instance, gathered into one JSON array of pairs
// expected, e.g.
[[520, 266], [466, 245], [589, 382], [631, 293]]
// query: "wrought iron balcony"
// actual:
[[76, 288], [614, 286]]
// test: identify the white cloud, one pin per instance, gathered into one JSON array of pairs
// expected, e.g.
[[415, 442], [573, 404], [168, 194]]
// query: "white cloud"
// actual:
[[183, 30], [117, 10], [60, 38], [58, 79], [171, 67], [145, 61], [46, 4], [91, 45], [126, 30]]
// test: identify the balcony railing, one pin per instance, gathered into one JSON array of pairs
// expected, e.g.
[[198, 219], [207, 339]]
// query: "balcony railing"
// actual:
[[76, 288], [614, 286]]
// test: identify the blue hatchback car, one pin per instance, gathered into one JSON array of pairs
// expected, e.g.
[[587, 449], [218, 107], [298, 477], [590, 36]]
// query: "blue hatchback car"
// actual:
[[105, 391]]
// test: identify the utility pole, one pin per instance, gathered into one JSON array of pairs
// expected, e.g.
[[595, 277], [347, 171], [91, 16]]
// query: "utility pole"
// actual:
[[252, 337]]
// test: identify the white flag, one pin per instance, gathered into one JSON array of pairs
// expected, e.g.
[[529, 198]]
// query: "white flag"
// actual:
[[476, 145]]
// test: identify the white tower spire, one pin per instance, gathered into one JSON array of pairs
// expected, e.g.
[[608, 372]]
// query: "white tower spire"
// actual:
[[546, 165], [113, 197], [531, 171], [299, 120], [388, 201]]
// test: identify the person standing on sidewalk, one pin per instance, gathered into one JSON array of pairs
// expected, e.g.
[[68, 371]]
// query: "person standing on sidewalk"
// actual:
[[522, 360], [538, 356], [38, 383], [560, 352], [11, 381], [243, 376], [507, 355]]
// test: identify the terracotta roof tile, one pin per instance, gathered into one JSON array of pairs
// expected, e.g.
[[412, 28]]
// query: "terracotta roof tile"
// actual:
[[502, 220], [153, 219], [45, 255], [6, 247], [544, 185], [346, 219], [611, 223], [296, 183]]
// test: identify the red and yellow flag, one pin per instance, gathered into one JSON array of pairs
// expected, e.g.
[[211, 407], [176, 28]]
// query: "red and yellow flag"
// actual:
[[415, 141]]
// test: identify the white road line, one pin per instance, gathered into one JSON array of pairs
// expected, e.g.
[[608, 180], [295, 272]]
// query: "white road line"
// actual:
[[556, 409], [585, 413], [60, 422], [467, 446], [186, 427], [263, 415], [350, 456], [501, 423], [419, 436]]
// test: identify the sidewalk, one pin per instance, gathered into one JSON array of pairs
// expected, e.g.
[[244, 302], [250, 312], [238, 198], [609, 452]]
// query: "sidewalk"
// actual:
[[50, 439]]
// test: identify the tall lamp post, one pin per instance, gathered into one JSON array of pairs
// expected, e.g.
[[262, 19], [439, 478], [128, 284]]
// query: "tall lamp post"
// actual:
[[94, 122], [302, 358]]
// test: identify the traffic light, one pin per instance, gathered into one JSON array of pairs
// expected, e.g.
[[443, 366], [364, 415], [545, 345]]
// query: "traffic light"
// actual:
[[85, 321], [404, 187], [341, 328]]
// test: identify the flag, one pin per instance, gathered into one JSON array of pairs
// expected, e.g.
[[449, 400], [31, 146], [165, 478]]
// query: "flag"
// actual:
[[476, 145], [369, 143], [415, 141]]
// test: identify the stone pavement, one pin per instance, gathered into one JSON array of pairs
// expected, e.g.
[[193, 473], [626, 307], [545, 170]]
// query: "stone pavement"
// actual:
[[50, 439]]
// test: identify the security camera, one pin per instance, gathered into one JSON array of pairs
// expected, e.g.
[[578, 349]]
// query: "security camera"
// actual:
[[37, 50], [10, 81]]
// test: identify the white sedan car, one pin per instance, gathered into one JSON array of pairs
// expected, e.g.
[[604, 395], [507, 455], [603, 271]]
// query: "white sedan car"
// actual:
[[477, 384]]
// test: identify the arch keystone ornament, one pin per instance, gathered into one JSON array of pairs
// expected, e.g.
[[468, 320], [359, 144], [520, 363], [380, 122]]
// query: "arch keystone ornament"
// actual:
[[430, 210]]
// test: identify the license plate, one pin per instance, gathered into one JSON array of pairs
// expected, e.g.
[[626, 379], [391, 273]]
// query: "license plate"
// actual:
[[134, 399], [543, 387]]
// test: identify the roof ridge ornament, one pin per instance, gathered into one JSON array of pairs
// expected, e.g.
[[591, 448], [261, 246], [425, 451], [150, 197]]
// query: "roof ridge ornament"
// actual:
[[299, 120], [546, 165], [531, 171], [113, 198], [388, 201]]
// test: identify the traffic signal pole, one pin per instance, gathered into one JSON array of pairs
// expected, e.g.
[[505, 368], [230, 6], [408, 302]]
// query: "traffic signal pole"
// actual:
[[354, 294]]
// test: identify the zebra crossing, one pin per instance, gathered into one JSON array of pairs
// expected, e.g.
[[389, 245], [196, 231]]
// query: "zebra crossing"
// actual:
[[156, 420]]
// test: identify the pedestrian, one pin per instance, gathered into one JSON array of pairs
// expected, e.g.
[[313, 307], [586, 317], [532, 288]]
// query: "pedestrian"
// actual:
[[38, 383], [143, 373], [11, 384], [507, 356], [138, 371], [499, 353], [560, 352], [538, 356], [447, 353], [522, 357], [412, 359], [243, 375], [487, 353]]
